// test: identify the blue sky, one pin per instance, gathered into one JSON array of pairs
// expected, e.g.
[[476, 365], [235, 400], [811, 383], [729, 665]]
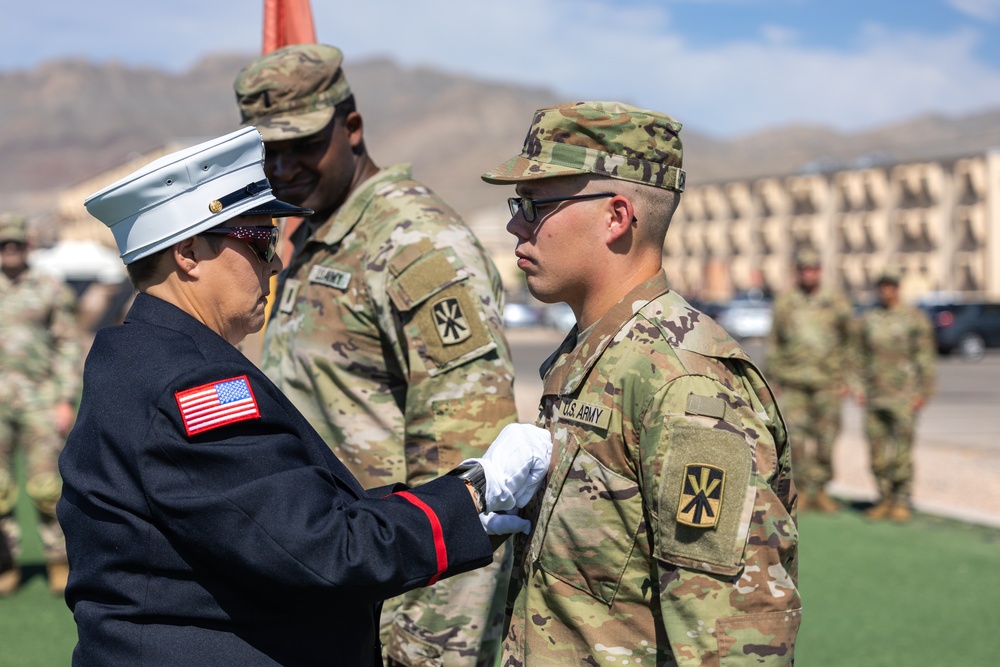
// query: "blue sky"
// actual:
[[726, 67]]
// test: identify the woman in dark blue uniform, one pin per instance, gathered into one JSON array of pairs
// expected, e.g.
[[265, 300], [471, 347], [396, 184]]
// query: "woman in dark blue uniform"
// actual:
[[206, 522]]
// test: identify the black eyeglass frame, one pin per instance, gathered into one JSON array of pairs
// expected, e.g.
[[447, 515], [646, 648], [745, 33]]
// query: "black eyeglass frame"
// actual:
[[253, 236], [529, 206]]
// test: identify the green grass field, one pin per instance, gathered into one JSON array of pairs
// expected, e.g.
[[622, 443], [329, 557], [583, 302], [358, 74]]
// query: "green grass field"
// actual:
[[876, 594]]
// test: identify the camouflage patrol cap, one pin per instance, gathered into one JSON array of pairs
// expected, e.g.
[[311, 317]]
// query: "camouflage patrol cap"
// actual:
[[807, 258], [891, 274], [14, 228], [292, 92], [606, 138]]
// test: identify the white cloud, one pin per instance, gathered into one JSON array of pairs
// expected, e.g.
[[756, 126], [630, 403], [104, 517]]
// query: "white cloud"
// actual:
[[597, 49], [985, 10]]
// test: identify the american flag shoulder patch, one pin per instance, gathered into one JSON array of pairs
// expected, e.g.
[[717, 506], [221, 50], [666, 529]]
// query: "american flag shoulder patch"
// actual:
[[216, 404]]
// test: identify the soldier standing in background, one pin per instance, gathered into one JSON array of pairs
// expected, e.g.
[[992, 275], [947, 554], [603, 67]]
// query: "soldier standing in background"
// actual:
[[39, 382], [386, 330], [897, 370], [666, 532], [807, 350]]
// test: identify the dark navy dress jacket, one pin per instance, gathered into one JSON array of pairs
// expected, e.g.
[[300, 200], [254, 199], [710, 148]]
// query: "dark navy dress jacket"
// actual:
[[208, 524]]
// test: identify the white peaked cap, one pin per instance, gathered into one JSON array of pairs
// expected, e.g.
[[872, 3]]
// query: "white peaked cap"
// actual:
[[185, 193]]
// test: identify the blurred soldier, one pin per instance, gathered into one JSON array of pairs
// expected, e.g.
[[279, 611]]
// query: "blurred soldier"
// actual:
[[666, 532], [897, 368], [386, 330], [806, 354], [39, 381]]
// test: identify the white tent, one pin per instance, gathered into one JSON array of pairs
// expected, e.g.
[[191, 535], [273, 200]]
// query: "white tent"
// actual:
[[80, 261]]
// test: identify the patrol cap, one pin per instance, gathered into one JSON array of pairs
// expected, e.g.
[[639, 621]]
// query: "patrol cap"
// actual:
[[891, 275], [807, 258], [292, 92], [14, 228], [182, 194], [606, 138]]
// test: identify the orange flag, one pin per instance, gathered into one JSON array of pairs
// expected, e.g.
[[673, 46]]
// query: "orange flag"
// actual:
[[287, 22]]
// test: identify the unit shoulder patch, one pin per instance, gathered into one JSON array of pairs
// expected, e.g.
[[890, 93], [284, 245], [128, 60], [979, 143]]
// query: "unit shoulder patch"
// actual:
[[701, 495], [450, 321]]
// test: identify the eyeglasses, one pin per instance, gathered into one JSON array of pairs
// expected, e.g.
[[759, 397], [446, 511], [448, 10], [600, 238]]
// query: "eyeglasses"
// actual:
[[263, 240], [529, 206]]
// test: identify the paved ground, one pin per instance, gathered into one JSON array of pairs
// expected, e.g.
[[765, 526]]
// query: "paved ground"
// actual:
[[958, 436]]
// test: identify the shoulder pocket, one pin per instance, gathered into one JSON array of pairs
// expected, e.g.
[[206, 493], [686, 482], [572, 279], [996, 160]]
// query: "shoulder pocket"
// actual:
[[442, 320], [707, 495]]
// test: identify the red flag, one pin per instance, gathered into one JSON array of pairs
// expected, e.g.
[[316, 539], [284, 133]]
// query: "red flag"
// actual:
[[287, 22]]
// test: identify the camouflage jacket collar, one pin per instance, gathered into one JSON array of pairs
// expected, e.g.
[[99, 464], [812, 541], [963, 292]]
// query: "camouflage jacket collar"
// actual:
[[567, 367], [333, 230]]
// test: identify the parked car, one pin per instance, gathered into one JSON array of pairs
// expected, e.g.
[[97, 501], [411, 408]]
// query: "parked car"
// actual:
[[746, 318], [518, 315], [559, 316], [966, 329]]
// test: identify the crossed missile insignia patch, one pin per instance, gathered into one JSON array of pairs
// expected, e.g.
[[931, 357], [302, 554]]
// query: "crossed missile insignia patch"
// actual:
[[452, 327], [701, 495]]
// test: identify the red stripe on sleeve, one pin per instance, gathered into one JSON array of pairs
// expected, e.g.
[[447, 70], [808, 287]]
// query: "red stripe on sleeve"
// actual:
[[439, 546]]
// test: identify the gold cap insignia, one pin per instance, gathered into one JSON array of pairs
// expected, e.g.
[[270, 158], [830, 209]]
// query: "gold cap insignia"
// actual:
[[701, 495], [215, 206]]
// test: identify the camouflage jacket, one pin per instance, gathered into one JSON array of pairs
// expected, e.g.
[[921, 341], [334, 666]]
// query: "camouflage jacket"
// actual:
[[667, 528], [809, 340], [895, 357], [387, 330], [40, 347]]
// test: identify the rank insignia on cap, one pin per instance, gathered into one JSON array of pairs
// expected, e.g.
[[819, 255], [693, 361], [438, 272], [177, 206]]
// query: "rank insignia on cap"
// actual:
[[217, 404], [701, 495], [451, 325]]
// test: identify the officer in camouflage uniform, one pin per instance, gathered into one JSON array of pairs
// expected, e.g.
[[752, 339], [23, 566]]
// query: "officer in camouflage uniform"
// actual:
[[39, 381], [386, 331], [896, 368], [807, 351], [666, 533]]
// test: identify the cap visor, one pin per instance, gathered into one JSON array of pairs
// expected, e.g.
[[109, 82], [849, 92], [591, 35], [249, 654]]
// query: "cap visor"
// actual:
[[520, 168], [279, 209], [282, 127]]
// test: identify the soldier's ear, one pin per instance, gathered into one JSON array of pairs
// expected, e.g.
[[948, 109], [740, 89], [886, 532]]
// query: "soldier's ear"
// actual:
[[621, 218]]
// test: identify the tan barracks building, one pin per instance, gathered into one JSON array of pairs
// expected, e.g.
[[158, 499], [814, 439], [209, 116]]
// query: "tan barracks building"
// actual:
[[938, 220]]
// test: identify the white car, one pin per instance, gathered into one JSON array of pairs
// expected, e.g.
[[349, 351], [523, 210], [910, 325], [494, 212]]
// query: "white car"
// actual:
[[745, 318]]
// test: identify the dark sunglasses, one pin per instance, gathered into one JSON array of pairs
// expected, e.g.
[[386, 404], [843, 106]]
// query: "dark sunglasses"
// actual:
[[529, 206], [12, 245], [263, 240]]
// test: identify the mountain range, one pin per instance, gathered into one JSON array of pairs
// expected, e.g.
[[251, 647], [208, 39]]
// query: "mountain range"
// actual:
[[68, 120]]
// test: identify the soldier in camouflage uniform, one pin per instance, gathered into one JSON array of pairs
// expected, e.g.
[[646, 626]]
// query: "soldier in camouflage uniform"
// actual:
[[666, 533], [806, 355], [896, 369], [39, 381], [386, 331]]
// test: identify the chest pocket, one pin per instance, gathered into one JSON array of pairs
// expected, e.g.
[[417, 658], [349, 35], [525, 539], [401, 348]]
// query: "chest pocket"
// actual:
[[441, 319], [592, 527]]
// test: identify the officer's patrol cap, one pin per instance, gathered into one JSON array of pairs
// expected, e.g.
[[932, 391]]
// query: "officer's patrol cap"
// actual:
[[891, 275], [604, 138], [292, 92], [185, 193], [807, 258], [14, 228]]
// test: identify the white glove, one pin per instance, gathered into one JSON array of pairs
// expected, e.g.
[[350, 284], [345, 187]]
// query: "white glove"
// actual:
[[504, 524], [514, 465]]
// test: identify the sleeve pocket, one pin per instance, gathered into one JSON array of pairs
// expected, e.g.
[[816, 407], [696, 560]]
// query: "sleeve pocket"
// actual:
[[706, 498], [758, 639]]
